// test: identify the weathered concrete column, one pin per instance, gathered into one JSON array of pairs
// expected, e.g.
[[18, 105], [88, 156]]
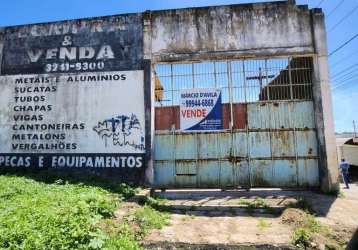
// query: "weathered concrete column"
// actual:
[[1, 45], [147, 35], [147, 46], [323, 107]]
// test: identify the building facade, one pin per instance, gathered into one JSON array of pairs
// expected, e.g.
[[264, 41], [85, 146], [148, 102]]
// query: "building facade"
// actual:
[[114, 88]]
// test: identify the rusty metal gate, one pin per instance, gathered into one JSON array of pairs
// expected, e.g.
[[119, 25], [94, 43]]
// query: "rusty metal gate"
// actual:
[[269, 137]]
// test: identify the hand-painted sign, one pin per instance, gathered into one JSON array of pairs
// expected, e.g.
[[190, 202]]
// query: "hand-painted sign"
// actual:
[[73, 120], [200, 109], [111, 44]]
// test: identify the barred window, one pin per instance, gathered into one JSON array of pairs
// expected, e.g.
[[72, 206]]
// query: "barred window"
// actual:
[[241, 81]]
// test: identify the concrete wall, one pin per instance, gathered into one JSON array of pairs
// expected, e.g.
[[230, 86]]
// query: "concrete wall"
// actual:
[[76, 49], [229, 31], [251, 31], [323, 106], [1, 45], [124, 33], [219, 32]]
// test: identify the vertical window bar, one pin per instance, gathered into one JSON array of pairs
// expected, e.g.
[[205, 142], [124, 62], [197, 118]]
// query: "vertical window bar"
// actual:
[[267, 82], [244, 78], [215, 76], [193, 74], [290, 78], [172, 83], [228, 65]]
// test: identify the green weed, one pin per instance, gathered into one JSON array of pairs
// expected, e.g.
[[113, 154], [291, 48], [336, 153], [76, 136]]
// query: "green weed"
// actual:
[[302, 204], [302, 235], [256, 203], [263, 224], [155, 203], [301, 238], [57, 215], [148, 218], [121, 238]]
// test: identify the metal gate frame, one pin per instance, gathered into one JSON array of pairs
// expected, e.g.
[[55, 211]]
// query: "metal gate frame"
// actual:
[[182, 172]]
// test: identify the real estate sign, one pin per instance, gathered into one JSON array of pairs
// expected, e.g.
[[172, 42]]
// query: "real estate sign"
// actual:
[[200, 109]]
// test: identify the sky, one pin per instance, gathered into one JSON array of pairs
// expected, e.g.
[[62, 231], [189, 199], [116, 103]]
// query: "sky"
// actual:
[[343, 64]]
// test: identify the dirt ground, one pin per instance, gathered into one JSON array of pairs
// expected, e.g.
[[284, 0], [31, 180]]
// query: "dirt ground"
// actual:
[[216, 226], [223, 228], [341, 211]]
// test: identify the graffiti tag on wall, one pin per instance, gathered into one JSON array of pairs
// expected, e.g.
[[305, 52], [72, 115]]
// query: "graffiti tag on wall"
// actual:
[[122, 131]]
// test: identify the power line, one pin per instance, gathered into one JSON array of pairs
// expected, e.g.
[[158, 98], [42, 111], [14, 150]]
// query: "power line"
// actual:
[[348, 78], [347, 90], [319, 3], [344, 18], [344, 81], [344, 59], [344, 44], [342, 71], [335, 8], [342, 84], [344, 76]]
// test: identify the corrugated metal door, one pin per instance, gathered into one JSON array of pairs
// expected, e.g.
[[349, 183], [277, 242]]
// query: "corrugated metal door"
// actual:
[[269, 138]]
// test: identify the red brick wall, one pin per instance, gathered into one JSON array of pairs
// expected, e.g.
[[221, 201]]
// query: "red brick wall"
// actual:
[[165, 117]]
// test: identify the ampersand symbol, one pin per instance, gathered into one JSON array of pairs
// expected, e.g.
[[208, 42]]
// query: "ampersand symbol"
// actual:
[[67, 40]]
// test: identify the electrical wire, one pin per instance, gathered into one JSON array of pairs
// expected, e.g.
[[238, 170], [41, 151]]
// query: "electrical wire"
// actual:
[[344, 59], [343, 45], [337, 82], [335, 8], [345, 70], [347, 90], [342, 84], [320, 3], [348, 78], [344, 18], [345, 75]]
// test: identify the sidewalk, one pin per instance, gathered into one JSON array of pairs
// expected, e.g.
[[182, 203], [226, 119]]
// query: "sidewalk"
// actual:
[[247, 218]]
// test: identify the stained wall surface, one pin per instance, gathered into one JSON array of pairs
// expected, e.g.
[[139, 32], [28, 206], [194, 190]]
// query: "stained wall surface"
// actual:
[[139, 42], [244, 32], [67, 94], [235, 30]]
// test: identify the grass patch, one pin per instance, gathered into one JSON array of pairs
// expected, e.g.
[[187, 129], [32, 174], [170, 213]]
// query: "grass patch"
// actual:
[[147, 218], [340, 194], [314, 226], [302, 236], [36, 215], [156, 203], [120, 236], [256, 203], [263, 224], [335, 193], [302, 204], [48, 212]]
